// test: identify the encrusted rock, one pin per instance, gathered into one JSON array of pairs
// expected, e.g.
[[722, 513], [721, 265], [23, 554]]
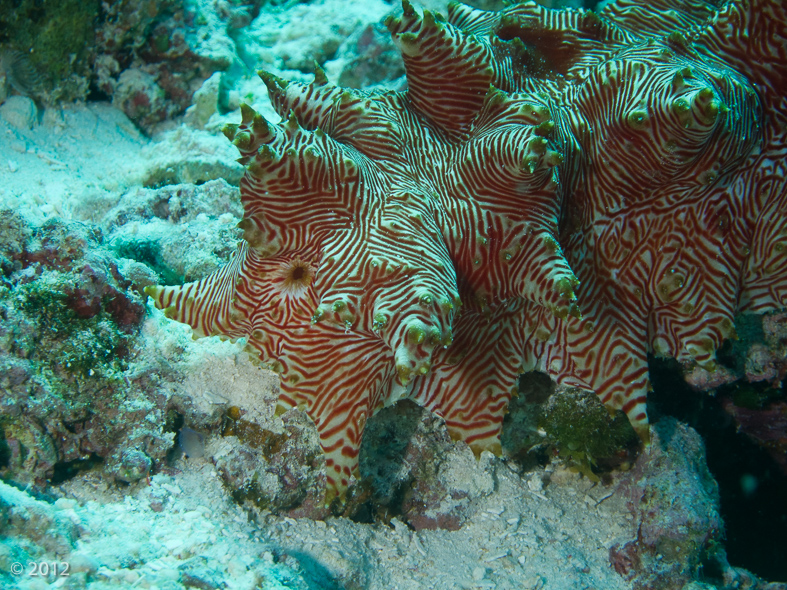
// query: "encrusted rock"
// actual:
[[675, 504]]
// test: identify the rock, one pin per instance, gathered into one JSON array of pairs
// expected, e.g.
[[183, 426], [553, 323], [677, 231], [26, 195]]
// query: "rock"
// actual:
[[132, 466], [674, 501], [23, 517], [20, 112], [139, 96], [206, 101]]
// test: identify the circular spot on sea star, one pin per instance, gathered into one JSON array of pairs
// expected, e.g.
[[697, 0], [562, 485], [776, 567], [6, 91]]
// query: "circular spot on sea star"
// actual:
[[295, 276]]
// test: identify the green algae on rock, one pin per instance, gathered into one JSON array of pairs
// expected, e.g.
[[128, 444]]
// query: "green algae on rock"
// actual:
[[69, 321]]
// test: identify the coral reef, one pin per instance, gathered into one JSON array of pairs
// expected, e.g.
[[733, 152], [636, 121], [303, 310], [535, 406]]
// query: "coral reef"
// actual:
[[58, 40], [430, 244], [135, 53], [374, 59], [181, 530], [749, 378], [156, 227], [69, 320]]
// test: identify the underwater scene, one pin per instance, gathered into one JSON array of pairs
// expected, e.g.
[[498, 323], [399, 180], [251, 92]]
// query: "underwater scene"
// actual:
[[393, 295]]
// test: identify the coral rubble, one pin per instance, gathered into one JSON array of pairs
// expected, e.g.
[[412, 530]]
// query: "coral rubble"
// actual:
[[430, 244]]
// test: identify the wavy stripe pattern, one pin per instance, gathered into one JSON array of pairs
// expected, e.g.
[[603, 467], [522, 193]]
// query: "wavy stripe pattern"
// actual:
[[556, 190]]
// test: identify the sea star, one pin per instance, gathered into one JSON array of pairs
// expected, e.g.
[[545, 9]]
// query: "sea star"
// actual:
[[426, 244]]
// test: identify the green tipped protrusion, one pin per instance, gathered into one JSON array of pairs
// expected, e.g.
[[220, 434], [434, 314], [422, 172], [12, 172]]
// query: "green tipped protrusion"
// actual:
[[590, 21], [257, 165], [380, 322], [318, 315], [404, 372], [678, 81], [274, 84], [292, 126], [266, 154], [537, 145], [229, 130], [430, 20], [552, 245], [707, 105], [705, 94], [565, 286], [682, 109], [350, 167], [311, 155], [435, 336], [515, 47], [320, 79], [246, 113], [712, 110], [540, 112], [260, 126], [495, 97], [545, 128], [677, 40], [408, 43], [447, 339], [681, 106], [637, 119], [574, 311], [529, 164], [346, 98], [243, 141], [391, 23], [553, 158], [416, 334]]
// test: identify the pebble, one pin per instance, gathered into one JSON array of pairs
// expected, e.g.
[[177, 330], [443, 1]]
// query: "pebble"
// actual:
[[495, 557], [20, 112], [65, 503]]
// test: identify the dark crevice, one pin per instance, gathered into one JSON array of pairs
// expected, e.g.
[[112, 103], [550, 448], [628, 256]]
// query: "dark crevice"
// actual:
[[752, 486], [65, 470]]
